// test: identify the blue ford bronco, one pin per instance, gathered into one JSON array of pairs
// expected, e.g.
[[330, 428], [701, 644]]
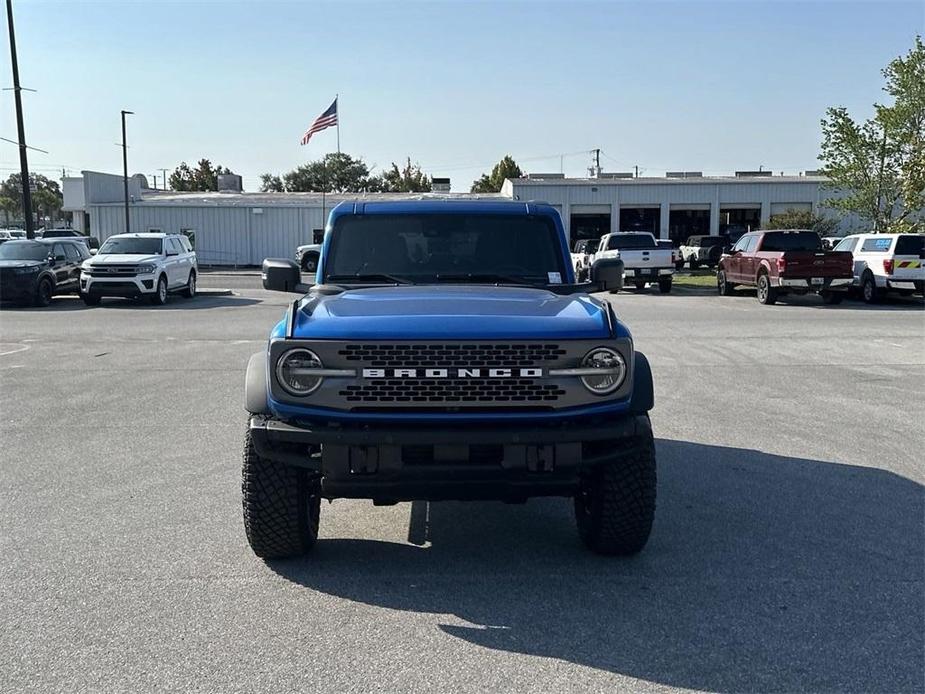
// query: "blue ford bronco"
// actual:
[[445, 351]]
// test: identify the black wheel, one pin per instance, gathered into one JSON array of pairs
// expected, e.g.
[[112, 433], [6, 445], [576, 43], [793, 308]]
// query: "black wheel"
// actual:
[[43, 292], [767, 294], [664, 285], [639, 284], [310, 262], [694, 263], [869, 289], [832, 298], [615, 504], [159, 298], [725, 288], [679, 264], [281, 506], [90, 299]]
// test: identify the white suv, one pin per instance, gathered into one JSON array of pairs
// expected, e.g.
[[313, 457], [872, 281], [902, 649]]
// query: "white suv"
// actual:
[[886, 262], [133, 265]]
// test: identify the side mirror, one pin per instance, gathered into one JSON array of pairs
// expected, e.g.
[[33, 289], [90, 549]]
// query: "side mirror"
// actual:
[[607, 273], [94, 251], [282, 275]]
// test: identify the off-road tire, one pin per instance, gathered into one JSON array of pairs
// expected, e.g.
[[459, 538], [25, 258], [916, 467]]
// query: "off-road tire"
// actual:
[[723, 286], [694, 263], [91, 299], [869, 290], [190, 290], [664, 285], [615, 504], [639, 284], [281, 506], [832, 298], [159, 297], [43, 292], [767, 294]]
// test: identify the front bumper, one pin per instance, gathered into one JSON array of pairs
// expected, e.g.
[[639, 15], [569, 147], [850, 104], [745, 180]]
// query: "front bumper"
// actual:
[[134, 285], [839, 283], [436, 462], [18, 287]]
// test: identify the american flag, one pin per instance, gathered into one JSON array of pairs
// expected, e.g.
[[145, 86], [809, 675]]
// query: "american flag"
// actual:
[[325, 120]]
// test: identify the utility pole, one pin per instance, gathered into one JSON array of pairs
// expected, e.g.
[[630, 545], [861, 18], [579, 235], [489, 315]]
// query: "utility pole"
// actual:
[[21, 128], [596, 166], [125, 170], [879, 227], [636, 168], [164, 177], [154, 176]]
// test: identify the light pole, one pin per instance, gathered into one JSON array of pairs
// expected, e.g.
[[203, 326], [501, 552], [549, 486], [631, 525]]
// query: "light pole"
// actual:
[[21, 130], [125, 169]]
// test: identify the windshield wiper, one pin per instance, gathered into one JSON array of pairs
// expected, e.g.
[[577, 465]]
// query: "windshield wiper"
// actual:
[[484, 277], [370, 277]]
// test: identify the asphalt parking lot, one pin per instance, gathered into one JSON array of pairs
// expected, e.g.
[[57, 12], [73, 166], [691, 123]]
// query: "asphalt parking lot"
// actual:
[[788, 550]]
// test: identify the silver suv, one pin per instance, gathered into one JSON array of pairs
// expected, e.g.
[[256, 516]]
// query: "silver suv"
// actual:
[[134, 265]]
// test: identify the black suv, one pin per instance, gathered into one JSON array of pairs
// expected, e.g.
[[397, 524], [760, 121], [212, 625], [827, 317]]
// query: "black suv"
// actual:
[[32, 272], [91, 241]]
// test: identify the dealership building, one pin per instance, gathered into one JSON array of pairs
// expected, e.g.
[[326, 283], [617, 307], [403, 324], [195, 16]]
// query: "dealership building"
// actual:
[[232, 227]]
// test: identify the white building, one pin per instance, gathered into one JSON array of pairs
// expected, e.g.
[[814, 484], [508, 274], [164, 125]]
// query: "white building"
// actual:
[[236, 228]]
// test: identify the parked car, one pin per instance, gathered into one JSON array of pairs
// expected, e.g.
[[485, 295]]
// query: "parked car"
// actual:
[[643, 259], [885, 263], [91, 241], [307, 257], [140, 265], [35, 271], [484, 373], [702, 250], [583, 257], [5, 236], [782, 261]]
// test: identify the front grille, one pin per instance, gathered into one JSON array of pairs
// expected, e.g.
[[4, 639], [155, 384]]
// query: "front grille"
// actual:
[[113, 271], [451, 355], [454, 391]]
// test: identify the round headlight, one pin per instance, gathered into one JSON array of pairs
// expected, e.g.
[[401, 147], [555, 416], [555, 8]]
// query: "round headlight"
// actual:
[[612, 368], [294, 371]]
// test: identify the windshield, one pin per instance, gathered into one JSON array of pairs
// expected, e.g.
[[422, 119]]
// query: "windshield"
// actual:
[[447, 247], [132, 246], [23, 250], [791, 241], [631, 241]]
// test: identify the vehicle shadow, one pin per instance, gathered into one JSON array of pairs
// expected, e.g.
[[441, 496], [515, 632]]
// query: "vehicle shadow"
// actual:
[[70, 304], [763, 573]]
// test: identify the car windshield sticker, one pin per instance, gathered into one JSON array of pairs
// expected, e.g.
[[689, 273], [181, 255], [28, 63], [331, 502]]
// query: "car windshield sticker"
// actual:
[[554, 278]]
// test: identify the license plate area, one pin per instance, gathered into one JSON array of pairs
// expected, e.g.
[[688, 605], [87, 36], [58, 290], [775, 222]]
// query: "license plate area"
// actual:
[[817, 281]]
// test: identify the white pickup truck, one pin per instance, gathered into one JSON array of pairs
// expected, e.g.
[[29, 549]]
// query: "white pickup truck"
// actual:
[[583, 258], [644, 261]]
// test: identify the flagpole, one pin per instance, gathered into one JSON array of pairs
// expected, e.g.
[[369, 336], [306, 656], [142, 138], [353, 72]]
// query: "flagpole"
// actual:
[[337, 107]]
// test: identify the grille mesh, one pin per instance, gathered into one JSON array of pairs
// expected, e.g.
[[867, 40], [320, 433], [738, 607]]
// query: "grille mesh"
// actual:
[[451, 355], [451, 390]]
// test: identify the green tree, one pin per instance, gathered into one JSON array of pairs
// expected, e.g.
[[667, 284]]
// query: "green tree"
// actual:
[[9, 206], [879, 165], [491, 183], [270, 183], [203, 177], [803, 219], [408, 179], [335, 173], [45, 196]]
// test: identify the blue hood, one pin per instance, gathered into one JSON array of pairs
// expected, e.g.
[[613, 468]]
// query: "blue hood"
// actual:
[[451, 311]]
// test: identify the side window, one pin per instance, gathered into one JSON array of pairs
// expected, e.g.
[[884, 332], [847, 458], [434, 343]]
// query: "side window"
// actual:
[[174, 246], [185, 243], [71, 252], [846, 245], [751, 244], [742, 243], [58, 250], [877, 245]]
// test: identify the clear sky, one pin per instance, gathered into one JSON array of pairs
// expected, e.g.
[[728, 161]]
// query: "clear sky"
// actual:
[[688, 86]]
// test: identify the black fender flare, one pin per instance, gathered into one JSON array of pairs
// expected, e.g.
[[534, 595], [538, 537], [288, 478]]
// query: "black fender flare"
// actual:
[[255, 384], [643, 398]]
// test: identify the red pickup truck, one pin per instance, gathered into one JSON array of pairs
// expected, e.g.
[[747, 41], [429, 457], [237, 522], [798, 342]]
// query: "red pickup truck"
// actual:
[[780, 262]]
